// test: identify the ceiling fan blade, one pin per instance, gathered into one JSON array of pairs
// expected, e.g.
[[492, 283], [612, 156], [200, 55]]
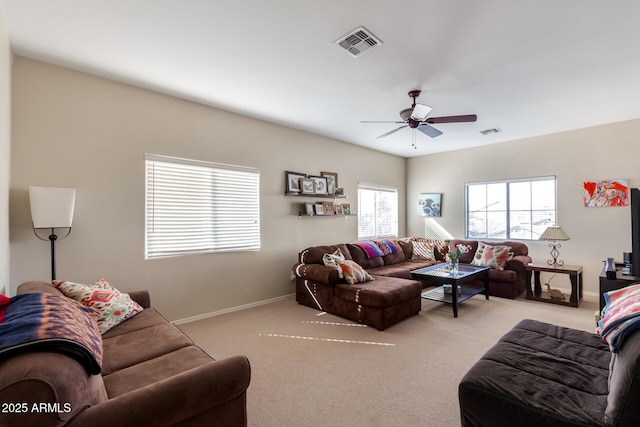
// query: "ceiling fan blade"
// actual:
[[420, 112], [430, 131], [453, 119], [393, 131], [379, 121]]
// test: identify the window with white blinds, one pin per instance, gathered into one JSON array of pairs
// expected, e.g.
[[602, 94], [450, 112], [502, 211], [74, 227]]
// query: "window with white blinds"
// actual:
[[377, 212], [511, 209], [199, 207]]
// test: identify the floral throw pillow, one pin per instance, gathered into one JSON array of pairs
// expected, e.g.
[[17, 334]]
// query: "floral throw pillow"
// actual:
[[423, 250], [492, 256], [353, 272], [113, 307]]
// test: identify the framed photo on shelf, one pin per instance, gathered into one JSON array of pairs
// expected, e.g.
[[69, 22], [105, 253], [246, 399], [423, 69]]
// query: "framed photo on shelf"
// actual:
[[319, 209], [320, 183], [293, 181], [327, 207], [346, 207], [332, 181], [309, 208], [307, 186], [339, 210]]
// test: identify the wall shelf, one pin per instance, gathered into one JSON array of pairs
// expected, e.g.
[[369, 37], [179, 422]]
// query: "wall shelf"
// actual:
[[315, 196]]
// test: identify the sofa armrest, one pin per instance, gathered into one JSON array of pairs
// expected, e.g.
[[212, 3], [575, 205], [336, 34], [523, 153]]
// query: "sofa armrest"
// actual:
[[317, 273], [141, 297], [218, 385], [518, 263]]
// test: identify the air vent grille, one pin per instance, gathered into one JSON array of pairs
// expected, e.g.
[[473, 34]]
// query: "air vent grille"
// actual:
[[490, 131], [359, 41]]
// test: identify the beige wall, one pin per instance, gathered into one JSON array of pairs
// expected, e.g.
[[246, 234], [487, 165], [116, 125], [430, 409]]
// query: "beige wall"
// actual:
[[75, 130], [5, 152], [603, 152]]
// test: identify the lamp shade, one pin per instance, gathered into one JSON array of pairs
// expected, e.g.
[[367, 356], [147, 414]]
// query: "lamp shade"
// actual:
[[52, 207], [554, 233]]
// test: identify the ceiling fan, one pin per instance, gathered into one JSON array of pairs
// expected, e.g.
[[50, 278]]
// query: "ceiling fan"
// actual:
[[416, 118]]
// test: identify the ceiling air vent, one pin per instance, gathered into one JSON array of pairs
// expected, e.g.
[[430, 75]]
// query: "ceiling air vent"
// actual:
[[359, 41], [490, 131]]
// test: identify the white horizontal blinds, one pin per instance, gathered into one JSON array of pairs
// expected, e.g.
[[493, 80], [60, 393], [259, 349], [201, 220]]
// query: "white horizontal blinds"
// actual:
[[377, 212], [510, 209], [196, 207]]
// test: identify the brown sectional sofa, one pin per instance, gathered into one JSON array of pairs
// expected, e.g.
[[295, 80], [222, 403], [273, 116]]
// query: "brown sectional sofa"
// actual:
[[152, 375], [393, 296]]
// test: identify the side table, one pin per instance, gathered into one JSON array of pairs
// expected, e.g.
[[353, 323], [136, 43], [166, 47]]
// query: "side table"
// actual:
[[575, 275]]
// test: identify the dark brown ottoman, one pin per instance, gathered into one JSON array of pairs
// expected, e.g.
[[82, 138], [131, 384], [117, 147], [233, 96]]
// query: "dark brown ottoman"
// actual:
[[540, 374], [379, 303]]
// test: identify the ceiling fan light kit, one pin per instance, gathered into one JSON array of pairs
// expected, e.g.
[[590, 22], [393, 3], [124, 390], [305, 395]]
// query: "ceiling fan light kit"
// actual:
[[417, 117]]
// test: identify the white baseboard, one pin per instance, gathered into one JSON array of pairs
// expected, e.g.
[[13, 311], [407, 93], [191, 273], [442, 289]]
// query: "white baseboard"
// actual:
[[230, 310]]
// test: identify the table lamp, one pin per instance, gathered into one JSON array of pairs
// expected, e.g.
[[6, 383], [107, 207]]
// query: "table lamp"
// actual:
[[554, 234]]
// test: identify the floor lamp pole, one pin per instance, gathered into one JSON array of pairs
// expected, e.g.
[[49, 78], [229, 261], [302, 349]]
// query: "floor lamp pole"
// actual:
[[53, 238]]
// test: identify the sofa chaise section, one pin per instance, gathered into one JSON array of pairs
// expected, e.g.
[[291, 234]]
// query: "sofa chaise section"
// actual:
[[379, 303]]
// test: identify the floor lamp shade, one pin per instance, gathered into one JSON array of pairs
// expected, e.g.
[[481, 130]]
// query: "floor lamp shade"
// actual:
[[52, 207]]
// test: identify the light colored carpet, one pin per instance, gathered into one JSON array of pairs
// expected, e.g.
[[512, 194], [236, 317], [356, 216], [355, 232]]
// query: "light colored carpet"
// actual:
[[313, 369]]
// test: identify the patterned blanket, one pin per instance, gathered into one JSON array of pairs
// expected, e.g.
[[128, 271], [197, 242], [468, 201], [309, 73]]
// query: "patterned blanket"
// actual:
[[620, 316], [375, 248], [44, 322]]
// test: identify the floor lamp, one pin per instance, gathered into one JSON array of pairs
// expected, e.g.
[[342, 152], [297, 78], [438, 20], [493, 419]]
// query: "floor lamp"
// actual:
[[52, 208]]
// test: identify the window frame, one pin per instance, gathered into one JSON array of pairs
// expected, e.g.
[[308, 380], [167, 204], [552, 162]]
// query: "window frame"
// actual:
[[376, 216], [198, 207], [509, 210]]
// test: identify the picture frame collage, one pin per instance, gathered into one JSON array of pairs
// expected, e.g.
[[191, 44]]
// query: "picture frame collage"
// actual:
[[327, 208], [323, 185]]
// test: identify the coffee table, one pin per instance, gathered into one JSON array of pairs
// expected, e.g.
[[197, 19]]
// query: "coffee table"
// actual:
[[439, 274]]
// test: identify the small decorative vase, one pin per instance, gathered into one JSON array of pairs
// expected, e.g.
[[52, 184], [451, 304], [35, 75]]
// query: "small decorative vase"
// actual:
[[453, 267], [610, 268]]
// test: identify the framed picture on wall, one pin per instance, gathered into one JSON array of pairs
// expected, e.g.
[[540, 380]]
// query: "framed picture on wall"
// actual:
[[320, 183], [332, 181], [346, 208], [319, 209], [429, 204], [327, 207], [292, 180], [307, 186], [309, 208], [339, 210]]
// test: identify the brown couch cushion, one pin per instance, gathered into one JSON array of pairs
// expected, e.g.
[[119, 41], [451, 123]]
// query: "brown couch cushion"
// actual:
[[399, 256], [145, 319], [382, 292], [154, 370], [125, 350], [360, 256], [313, 255]]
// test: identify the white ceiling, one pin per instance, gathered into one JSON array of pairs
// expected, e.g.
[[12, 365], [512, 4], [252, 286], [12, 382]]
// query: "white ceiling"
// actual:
[[527, 67]]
